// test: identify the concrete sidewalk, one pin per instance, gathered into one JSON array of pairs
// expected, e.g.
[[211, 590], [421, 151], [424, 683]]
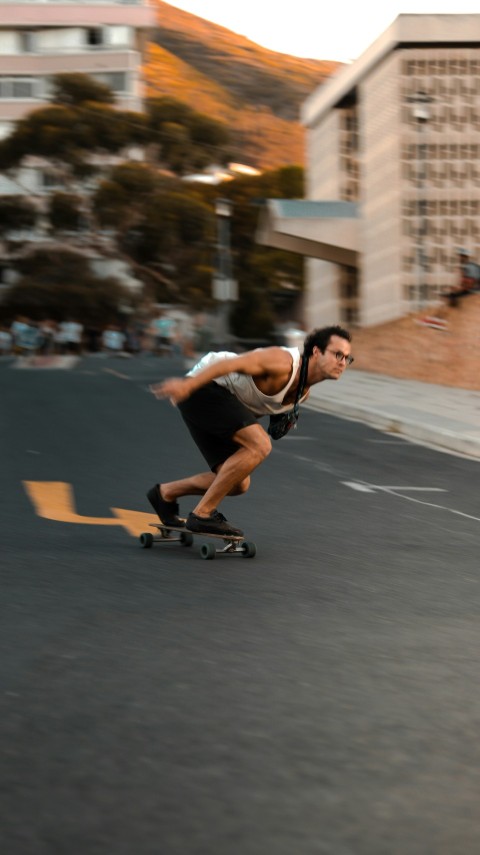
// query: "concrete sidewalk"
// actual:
[[446, 417]]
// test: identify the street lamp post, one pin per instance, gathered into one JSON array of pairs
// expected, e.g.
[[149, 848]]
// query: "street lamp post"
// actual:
[[421, 113], [224, 286]]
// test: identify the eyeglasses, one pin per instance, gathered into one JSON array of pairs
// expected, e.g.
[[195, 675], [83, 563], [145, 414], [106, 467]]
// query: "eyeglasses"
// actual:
[[339, 356]]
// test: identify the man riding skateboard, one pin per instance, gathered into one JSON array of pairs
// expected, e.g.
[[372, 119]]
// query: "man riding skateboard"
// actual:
[[221, 399]]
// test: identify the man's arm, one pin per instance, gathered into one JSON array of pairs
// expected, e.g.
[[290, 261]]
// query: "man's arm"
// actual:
[[268, 361]]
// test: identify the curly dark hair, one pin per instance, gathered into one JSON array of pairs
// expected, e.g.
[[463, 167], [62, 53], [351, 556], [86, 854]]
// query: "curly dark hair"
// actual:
[[320, 337]]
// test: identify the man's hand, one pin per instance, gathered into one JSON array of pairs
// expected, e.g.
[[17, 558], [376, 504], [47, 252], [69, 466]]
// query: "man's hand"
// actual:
[[176, 389]]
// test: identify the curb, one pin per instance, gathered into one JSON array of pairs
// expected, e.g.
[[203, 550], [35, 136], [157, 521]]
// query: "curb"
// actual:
[[441, 438]]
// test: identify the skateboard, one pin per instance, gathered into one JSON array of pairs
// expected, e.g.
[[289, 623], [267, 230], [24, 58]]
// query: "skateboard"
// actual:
[[232, 544]]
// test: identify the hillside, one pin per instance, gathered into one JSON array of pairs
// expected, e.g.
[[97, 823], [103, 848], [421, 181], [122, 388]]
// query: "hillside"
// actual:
[[257, 92], [410, 350]]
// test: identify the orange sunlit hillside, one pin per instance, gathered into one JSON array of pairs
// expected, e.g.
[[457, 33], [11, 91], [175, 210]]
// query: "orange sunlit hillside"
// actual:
[[257, 92]]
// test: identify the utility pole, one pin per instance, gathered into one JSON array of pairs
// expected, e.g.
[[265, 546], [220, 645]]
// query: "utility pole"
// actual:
[[225, 289]]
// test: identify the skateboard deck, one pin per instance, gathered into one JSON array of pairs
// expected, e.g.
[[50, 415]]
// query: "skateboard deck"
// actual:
[[232, 544]]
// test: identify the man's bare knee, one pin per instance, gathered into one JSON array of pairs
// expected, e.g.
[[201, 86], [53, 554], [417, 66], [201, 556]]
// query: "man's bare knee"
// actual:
[[241, 487], [265, 446], [255, 440]]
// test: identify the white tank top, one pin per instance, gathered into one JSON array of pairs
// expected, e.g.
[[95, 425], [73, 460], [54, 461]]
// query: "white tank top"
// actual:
[[244, 388]]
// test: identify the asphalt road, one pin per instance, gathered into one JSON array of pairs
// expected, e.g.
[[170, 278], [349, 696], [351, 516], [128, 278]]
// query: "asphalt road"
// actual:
[[322, 697]]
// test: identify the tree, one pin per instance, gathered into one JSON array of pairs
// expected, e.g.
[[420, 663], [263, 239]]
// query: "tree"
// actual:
[[75, 89], [163, 225], [59, 284], [73, 128], [187, 140], [16, 214], [270, 280], [65, 211], [118, 200]]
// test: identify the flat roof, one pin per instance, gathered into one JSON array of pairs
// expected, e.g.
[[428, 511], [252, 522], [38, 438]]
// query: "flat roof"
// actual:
[[328, 230], [405, 31], [309, 209]]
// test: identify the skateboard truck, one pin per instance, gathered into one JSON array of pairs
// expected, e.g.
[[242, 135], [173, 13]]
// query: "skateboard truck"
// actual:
[[232, 545]]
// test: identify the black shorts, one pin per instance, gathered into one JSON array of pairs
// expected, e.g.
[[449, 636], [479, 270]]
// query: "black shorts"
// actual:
[[213, 415]]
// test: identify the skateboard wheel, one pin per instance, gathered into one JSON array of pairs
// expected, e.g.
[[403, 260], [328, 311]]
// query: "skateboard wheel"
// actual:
[[208, 551], [146, 540], [249, 549], [186, 538]]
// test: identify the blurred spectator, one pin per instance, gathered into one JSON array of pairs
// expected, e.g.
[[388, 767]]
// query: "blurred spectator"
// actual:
[[113, 340], [70, 336], [93, 338], [132, 339], [202, 334], [28, 339], [468, 279], [164, 329], [18, 327], [48, 331], [6, 341]]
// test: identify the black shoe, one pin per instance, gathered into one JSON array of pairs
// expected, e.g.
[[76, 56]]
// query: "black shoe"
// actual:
[[167, 511], [214, 524]]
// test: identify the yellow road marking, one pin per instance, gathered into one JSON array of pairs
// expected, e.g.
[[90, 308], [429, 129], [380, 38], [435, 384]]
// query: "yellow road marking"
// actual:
[[135, 522], [54, 500]]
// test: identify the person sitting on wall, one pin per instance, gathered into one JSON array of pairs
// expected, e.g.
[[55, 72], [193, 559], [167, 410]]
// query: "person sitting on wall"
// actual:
[[468, 278]]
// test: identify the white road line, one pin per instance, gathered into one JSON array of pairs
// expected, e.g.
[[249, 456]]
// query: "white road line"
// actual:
[[362, 488], [410, 489], [116, 373], [400, 491], [438, 507]]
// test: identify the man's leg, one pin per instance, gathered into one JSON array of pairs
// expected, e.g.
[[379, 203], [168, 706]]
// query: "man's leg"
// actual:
[[232, 476], [195, 485], [231, 441]]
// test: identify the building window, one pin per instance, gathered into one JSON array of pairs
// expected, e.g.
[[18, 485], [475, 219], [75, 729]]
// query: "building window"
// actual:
[[22, 89], [115, 80], [27, 42], [95, 37], [17, 87]]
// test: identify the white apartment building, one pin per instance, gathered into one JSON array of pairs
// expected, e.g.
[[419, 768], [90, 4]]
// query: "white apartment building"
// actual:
[[41, 38], [392, 176]]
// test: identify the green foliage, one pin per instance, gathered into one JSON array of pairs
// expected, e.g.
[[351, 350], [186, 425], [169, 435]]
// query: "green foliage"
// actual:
[[59, 284], [75, 89], [159, 222], [161, 110], [137, 179], [82, 121], [187, 140], [253, 316], [16, 213], [171, 222], [64, 211], [70, 130], [46, 132], [269, 280], [120, 199], [207, 131]]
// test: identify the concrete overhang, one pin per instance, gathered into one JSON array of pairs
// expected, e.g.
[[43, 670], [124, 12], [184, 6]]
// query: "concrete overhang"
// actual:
[[326, 230]]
